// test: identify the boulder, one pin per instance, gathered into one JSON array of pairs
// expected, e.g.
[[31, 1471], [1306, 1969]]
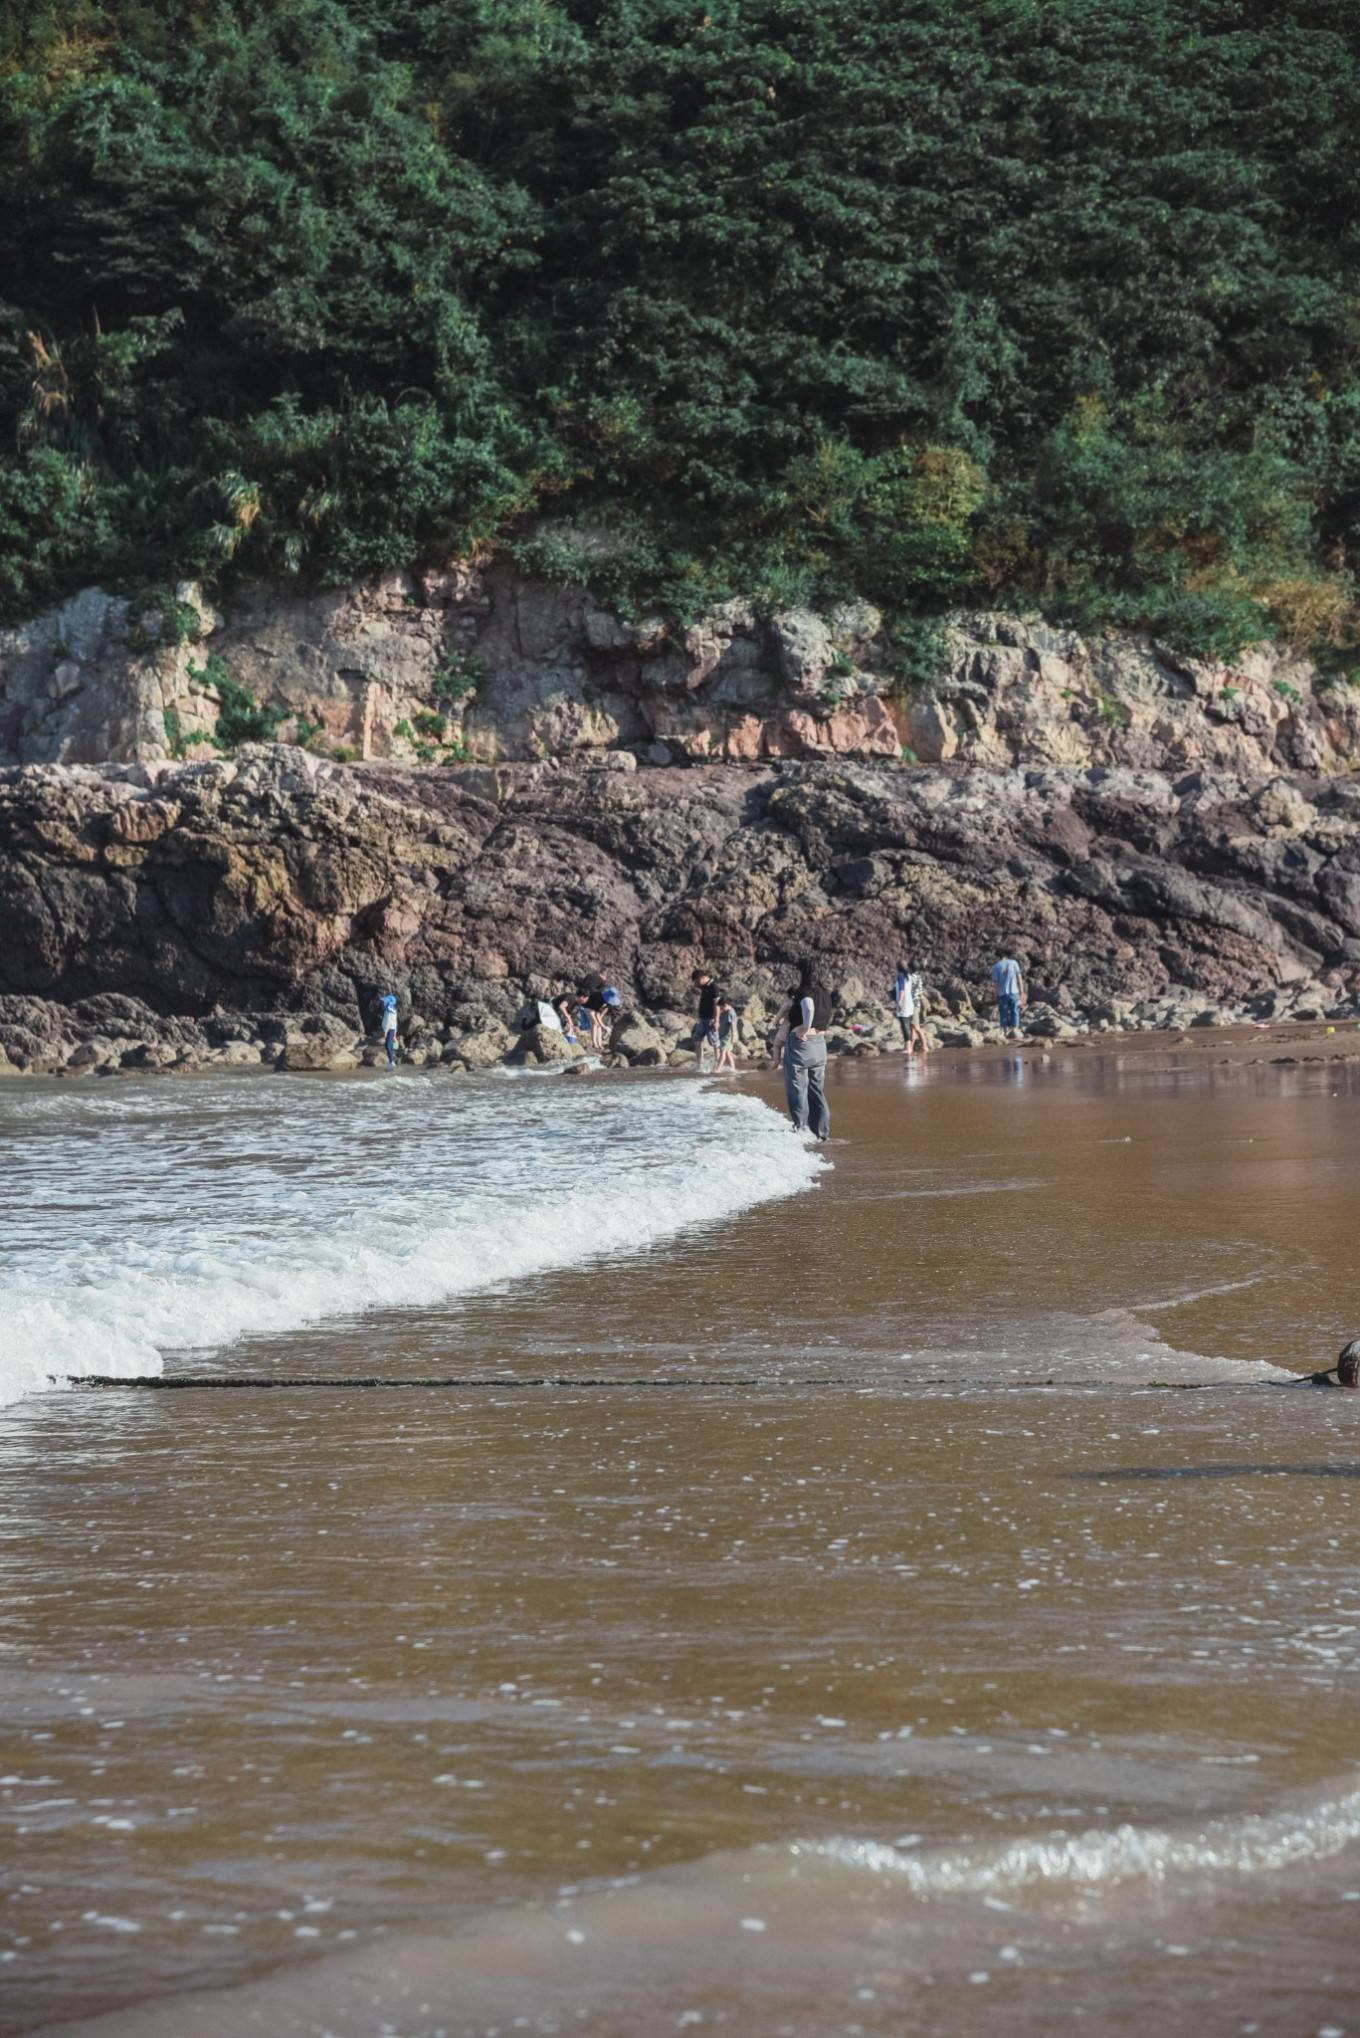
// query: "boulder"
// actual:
[[483, 1050], [310, 1052], [151, 1054], [238, 1054], [635, 1037], [539, 1045], [91, 1053]]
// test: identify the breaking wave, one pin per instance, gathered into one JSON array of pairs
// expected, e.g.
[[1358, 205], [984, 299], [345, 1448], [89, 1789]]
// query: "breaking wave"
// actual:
[[1250, 1844], [183, 1217]]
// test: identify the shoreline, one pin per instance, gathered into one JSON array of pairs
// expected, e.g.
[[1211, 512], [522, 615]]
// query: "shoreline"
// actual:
[[295, 1049]]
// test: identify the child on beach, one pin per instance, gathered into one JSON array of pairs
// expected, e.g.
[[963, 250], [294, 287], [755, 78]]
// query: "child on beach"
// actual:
[[729, 1036]]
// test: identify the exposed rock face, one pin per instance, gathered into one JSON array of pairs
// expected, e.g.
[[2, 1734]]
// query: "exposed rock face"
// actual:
[[484, 662], [99, 678], [1022, 693], [283, 884]]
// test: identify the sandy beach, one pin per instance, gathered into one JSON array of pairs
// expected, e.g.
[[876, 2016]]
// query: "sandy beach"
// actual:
[[868, 1641]]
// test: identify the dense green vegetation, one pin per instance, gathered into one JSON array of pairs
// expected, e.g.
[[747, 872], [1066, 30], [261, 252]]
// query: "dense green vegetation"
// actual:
[[1052, 302]]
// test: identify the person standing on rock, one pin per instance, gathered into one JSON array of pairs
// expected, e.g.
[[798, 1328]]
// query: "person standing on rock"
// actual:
[[906, 1007], [387, 1021], [1008, 981], [802, 1037]]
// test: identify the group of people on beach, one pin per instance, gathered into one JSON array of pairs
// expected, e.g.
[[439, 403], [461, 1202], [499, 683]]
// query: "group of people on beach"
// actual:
[[717, 1028], [586, 1016], [799, 1043]]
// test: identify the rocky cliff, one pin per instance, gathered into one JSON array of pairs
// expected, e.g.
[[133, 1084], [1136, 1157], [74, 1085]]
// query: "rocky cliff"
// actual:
[[1158, 837], [481, 662], [283, 884]]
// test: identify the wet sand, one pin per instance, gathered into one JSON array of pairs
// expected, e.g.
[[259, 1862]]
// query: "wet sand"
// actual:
[[895, 1692], [1250, 1044]]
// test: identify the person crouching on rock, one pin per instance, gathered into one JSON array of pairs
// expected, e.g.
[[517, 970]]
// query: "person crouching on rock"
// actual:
[[1345, 1373], [801, 1036], [387, 1026]]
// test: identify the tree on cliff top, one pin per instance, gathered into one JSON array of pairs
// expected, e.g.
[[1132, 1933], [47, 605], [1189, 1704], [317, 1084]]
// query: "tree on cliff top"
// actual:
[[1039, 301]]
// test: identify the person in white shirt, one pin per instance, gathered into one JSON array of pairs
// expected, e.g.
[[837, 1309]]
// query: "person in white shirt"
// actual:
[[906, 1007]]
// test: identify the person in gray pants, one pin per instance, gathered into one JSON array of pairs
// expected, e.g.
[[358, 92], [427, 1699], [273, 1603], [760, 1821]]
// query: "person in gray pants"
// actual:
[[802, 1036]]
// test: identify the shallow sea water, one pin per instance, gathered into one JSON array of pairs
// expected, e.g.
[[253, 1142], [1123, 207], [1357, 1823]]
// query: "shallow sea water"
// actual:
[[883, 1646]]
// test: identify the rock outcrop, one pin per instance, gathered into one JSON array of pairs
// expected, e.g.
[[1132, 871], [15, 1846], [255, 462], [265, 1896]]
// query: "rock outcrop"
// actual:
[[1022, 693], [161, 904], [484, 662]]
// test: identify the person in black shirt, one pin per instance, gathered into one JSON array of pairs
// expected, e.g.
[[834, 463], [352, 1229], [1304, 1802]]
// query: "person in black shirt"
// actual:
[[705, 1032]]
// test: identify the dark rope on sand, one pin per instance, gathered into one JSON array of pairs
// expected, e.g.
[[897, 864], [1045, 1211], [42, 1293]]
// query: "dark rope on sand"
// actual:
[[218, 1382], [338, 1383]]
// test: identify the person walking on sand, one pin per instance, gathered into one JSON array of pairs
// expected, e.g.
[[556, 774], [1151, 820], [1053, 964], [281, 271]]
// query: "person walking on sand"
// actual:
[[907, 993], [729, 1036], [801, 1036], [387, 1025], [1008, 981]]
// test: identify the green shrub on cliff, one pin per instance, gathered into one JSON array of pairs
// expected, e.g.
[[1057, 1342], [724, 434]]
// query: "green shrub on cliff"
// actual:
[[1049, 302], [240, 718]]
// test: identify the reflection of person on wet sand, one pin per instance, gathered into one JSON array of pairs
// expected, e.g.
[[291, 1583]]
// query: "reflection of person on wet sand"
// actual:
[[1345, 1373]]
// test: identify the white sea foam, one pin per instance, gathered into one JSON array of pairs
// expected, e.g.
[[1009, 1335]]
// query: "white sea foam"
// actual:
[[1251, 1844], [174, 1217], [1110, 1347]]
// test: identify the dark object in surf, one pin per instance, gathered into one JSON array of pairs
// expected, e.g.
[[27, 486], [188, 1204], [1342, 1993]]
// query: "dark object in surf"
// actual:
[[1345, 1373]]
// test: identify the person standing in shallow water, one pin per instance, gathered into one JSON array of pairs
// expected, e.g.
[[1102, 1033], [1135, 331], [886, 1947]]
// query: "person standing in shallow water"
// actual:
[[907, 1008], [802, 1037], [705, 1034]]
